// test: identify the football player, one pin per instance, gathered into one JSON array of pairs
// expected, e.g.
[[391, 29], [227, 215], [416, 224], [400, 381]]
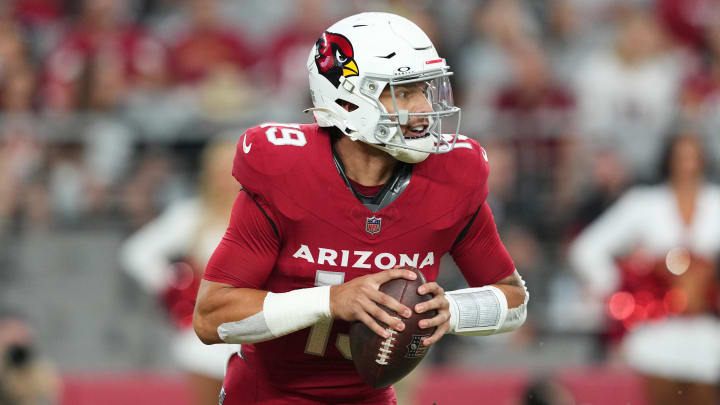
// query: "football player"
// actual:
[[330, 211]]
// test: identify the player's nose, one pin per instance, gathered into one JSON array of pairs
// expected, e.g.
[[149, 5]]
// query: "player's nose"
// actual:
[[420, 105]]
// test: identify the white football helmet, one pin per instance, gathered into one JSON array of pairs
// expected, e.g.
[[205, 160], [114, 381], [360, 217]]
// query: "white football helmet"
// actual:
[[354, 61]]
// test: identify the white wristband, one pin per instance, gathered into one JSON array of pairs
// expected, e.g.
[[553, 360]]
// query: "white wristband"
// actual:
[[282, 313], [477, 311], [484, 310], [294, 310]]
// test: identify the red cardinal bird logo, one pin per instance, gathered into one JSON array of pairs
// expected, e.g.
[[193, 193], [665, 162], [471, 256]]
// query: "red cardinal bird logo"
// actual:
[[334, 57]]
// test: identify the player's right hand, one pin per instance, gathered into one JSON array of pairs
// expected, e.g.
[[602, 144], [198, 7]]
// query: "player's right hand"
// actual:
[[358, 299]]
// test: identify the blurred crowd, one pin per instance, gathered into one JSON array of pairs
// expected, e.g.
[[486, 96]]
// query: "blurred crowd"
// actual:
[[105, 106], [104, 103]]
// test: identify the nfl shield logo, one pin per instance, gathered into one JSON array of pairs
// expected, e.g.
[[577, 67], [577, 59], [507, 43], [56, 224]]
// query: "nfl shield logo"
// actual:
[[372, 225], [415, 349]]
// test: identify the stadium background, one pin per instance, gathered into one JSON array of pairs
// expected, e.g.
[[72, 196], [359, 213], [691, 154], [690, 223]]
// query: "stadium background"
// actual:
[[106, 106]]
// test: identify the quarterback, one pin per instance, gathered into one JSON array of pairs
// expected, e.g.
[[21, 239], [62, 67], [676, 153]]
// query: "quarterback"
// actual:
[[330, 211]]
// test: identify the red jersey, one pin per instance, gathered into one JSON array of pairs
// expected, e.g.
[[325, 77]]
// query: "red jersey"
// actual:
[[300, 226]]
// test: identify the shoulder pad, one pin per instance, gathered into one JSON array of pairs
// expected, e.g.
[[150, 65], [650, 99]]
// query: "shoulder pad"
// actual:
[[469, 152], [466, 166], [270, 150], [458, 179]]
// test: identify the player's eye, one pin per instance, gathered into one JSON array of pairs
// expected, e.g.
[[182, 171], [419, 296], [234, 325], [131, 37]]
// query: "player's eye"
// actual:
[[404, 92]]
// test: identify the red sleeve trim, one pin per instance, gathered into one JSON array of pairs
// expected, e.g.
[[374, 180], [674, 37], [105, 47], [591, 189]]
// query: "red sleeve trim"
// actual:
[[510, 271], [219, 277]]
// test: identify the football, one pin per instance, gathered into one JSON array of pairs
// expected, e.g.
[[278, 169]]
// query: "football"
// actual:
[[383, 362]]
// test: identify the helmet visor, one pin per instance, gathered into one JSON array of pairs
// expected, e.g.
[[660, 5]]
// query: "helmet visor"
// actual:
[[422, 110]]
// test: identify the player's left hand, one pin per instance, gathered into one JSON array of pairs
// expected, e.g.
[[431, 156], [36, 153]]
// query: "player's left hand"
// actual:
[[439, 303]]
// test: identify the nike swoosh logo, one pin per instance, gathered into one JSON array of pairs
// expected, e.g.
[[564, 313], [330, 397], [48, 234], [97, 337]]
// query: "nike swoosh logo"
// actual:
[[246, 147]]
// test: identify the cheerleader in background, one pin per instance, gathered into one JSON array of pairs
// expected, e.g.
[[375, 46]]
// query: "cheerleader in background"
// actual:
[[168, 255], [664, 292]]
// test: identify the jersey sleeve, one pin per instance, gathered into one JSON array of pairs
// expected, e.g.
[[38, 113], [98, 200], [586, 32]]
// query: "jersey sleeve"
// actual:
[[266, 153], [477, 165], [480, 254], [247, 252], [467, 167]]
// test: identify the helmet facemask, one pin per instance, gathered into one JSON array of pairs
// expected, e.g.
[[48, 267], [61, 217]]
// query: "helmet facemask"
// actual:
[[414, 147]]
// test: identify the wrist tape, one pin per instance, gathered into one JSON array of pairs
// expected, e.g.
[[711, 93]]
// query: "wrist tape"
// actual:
[[282, 313], [484, 311]]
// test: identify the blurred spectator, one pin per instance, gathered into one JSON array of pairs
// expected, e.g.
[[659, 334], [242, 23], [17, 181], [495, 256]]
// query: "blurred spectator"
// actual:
[[14, 54], [664, 293], [109, 142], [168, 255], [207, 44], [67, 179], [42, 22], [38, 11], [25, 378], [627, 93], [609, 178], [151, 104], [688, 20], [576, 28], [215, 60], [86, 168], [23, 189], [534, 114], [18, 91], [103, 31], [700, 95], [289, 49], [22, 147], [485, 65], [153, 184], [513, 213], [501, 182]]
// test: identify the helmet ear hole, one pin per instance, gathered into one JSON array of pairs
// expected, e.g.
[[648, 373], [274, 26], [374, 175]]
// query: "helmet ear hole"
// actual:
[[350, 107]]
